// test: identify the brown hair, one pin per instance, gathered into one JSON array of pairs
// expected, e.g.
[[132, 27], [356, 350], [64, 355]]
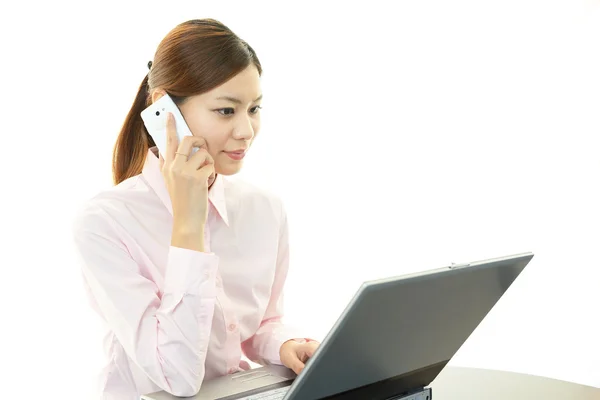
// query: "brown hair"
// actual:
[[195, 57]]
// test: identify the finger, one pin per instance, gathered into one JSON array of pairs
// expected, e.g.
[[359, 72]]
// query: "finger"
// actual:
[[311, 348], [199, 159], [293, 362], [204, 174], [172, 140], [309, 353], [161, 161], [189, 142]]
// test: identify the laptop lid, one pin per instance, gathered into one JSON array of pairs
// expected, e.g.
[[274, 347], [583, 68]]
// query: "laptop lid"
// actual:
[[397, 334]]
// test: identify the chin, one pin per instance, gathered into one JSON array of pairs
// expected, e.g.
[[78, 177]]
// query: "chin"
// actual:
[[227, 170]]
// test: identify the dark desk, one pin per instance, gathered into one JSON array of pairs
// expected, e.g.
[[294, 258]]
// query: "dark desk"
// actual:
[[456, 383]]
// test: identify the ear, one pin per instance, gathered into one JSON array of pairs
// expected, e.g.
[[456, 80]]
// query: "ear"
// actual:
[[157, 94]]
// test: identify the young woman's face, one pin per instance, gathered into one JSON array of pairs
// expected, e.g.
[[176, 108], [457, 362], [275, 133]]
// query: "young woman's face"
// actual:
[[228, 118]]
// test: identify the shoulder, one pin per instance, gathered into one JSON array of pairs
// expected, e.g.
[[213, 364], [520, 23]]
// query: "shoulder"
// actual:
[[113, 204]]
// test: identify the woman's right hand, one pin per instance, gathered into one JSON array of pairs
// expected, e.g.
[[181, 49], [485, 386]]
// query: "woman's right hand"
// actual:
[[188, 179]]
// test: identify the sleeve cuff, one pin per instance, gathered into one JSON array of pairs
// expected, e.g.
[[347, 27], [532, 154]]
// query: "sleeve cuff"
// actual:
[[285, 333], [190, 271]]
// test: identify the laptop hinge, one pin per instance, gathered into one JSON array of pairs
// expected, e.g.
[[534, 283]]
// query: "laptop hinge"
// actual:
[[422, 394]]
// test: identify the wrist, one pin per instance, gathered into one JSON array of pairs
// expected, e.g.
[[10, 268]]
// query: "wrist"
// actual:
[[188, 237], [185, 225]]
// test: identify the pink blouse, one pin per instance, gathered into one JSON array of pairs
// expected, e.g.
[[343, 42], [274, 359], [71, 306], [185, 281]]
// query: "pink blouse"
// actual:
[[173, 316]]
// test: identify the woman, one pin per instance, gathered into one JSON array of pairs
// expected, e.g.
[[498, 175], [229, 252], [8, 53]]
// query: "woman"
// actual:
[[185, 266]]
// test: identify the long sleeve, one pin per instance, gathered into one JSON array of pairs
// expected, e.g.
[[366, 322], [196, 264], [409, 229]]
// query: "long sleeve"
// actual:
[[165, 335], [263, 347]]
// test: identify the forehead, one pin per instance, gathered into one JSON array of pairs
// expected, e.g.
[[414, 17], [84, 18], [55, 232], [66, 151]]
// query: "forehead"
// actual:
[[244, 86]]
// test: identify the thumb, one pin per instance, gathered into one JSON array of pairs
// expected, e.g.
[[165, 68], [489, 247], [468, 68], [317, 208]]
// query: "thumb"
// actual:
[[297, 366], [161, 161]]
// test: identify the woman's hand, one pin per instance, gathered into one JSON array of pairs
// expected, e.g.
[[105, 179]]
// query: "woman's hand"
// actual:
[[294, 354], [188, 178]]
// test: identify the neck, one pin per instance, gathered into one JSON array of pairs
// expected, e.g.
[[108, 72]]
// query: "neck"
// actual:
[[213, 182]]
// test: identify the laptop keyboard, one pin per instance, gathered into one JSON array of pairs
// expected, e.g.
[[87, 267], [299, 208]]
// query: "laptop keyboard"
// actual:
[[275, 394]]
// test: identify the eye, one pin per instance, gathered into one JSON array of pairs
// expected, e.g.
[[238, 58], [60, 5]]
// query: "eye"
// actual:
[[230, 111], [225, 111]]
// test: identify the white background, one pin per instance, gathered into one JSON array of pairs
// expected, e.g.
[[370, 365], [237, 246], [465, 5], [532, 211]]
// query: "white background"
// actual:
[[402, 136]]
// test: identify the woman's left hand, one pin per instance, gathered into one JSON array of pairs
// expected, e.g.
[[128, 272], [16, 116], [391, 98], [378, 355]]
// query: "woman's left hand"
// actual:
[[294, 354]]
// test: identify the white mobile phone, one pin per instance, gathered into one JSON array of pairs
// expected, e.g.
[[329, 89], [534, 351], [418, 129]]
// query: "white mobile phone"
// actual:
[[155, 120]]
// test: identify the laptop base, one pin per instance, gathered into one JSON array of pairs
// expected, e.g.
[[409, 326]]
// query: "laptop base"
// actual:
[[425, 394]]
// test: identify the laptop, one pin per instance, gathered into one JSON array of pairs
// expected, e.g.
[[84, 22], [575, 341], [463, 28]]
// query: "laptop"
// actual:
[[392, 340]]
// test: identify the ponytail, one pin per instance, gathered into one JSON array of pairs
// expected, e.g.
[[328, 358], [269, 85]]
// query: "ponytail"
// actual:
[[133, 142]]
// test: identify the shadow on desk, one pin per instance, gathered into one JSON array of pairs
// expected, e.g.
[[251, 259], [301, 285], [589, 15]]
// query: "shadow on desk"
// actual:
[[457, 383]]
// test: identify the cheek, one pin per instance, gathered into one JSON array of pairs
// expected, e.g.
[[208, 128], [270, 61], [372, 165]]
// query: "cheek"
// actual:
[[210, 130], [256, 126], [217, 142], [213, 144]]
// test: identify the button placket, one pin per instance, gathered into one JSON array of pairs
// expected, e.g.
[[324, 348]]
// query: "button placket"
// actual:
[[230, 323], [232, 334]]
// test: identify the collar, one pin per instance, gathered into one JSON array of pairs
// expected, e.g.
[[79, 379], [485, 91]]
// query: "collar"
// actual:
[[151, 172]]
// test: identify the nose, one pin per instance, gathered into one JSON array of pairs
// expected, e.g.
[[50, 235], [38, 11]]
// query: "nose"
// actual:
[[244, 130]]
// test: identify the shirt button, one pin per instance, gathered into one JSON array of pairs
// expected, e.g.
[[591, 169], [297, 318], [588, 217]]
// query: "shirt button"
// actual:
[[207, 274], [232, 327]]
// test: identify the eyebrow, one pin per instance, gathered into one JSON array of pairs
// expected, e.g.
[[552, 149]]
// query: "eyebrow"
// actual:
[[237, 101]]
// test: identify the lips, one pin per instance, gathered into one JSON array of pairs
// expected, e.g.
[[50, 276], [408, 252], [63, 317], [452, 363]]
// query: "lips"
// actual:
[[236, 155]]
